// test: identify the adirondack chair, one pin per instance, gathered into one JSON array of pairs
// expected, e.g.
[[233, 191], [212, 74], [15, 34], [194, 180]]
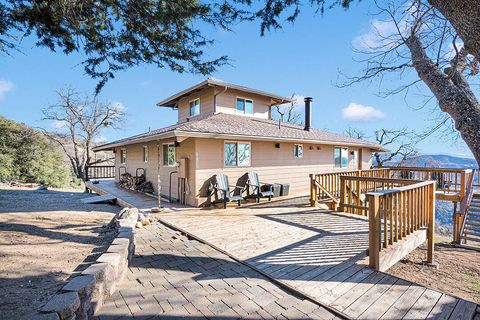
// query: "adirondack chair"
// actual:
[[223, 188], [256, 188]]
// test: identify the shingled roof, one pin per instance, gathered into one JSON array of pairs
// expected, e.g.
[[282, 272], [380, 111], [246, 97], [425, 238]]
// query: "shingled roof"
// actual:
[[222, 125]]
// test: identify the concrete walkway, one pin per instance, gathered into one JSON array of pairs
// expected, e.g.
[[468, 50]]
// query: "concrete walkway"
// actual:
[[172, 277]]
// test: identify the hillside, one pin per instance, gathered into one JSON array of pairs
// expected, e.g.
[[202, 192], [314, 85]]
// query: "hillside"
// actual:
[[27, 156]]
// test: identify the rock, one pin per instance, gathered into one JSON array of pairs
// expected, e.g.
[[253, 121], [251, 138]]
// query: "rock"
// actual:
[[65, 304], [83, 285], [129, 214], [139, 225]]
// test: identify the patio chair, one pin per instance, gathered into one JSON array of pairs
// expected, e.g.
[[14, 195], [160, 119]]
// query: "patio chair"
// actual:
[[223, 188], [256, 188]]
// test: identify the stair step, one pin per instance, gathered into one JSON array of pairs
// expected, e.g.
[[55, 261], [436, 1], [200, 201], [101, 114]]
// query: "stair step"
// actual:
[[473, 230], [469, 232], [472, 223], [471, 239]]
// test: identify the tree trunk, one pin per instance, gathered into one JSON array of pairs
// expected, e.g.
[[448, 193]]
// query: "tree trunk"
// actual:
[[464, 16], [453, 94]]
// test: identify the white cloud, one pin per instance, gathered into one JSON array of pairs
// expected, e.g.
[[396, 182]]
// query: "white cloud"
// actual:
[[120, 106], [381, 35], [298, 103], [101, 140], [56, 124], [360, 113], [5, 87]]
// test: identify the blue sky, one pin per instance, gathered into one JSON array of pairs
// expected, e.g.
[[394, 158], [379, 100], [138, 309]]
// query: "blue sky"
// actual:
[[304, 58]]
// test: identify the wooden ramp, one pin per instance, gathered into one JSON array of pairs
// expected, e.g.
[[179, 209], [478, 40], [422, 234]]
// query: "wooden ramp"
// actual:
[[320, 254], [99, 199]]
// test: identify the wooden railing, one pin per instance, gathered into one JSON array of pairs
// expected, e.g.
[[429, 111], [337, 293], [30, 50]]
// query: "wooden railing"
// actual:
[[394, 214], [448, 179], [100, 172], [353, 190], [326, 186]]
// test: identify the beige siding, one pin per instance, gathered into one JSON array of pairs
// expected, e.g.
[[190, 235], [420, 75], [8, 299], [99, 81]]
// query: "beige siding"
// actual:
[[206, 104], [272, 164], [135, 160], [226, 103]]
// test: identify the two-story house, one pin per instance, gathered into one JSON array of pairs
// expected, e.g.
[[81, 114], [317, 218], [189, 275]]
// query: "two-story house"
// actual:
[[228, 128]]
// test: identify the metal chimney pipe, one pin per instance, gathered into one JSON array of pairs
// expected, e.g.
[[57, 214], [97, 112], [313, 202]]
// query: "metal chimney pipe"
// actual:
[[308, 113]]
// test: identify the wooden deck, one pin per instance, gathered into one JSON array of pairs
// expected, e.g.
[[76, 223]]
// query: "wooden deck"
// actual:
[[318, 253]]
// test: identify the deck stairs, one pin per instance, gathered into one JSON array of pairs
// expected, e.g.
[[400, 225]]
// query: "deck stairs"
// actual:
[[471, 228]]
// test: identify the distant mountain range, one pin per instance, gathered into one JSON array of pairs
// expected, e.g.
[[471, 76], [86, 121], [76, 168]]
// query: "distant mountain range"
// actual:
[[440, 161]]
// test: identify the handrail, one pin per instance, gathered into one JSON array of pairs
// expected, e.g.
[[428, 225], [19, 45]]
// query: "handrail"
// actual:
[[465, 206], [353, 187], [396, 213], [99, 172], [330, 182]]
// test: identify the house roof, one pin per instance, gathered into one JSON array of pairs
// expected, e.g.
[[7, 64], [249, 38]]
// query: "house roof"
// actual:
[[172, 101], [229, 126]]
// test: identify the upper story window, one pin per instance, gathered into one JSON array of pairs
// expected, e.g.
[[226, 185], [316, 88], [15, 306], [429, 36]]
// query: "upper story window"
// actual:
[[194, 107], [123, 156], [169, 154], [237, 154], [244, 106], [298, 151], [145, 154], [340, 155]]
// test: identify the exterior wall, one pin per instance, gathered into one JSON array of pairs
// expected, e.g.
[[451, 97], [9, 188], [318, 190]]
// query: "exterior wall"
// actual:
[[226, 103], [135, 160], [206, 104], [273, 165]]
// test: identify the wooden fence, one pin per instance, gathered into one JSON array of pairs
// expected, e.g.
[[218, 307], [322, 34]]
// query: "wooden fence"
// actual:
[[394, 214]]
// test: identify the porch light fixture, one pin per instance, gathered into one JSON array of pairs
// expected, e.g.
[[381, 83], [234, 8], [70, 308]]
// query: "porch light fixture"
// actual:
[[277, 145], [177, 144]]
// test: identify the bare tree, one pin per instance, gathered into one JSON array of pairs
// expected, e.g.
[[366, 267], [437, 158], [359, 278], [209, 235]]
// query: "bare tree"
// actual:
[[417, 37], [401, 143], [80, 121], [288, 112]]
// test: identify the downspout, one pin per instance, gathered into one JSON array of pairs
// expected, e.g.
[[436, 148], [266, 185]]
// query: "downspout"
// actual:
[[215, 99]]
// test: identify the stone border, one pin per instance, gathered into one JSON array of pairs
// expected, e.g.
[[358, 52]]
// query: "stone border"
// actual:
[[83, 295]]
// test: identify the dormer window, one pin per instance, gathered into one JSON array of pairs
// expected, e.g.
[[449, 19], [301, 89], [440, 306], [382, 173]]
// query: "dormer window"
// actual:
[[194, 107], [244, 106]]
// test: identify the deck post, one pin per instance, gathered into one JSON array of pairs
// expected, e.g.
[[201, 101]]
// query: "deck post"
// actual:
[[374, 230], [463, 184], [343, 194], [431, 224], [313, 191]]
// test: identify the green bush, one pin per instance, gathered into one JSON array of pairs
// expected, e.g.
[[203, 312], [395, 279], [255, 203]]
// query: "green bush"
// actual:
[[27, 156]]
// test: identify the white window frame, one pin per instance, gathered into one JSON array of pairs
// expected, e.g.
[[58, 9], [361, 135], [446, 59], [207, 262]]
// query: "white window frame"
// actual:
[[245, 104], [237, 143], [199, 107], [145, 155], [355, 159], [121, 158], [298, 145], [348, 160], [174, 155]]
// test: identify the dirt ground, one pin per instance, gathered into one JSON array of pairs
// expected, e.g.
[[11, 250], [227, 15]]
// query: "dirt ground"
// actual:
[[45, 237], [457, 272]]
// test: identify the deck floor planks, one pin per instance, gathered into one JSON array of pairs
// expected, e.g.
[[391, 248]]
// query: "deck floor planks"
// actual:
[[444, 307], [369, 298], [400, 308], [379, 307], [424, 305], [463, 310], [343, 287], [357, 291]]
